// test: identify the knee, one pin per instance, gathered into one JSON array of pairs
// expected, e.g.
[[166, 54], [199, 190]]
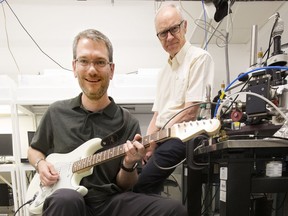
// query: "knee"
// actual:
[[64, 197]]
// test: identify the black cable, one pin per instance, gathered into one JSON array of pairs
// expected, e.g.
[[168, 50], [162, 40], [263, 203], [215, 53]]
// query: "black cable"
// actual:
[[195, 104], [211, 201], [190, 148], [235, 97], [7, 39], [270, 39], [179, 187], [281, 204], [28, 202], [33, 38]]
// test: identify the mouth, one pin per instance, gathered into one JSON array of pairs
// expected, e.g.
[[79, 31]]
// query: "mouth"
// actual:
[[93, 80], [172, 43]]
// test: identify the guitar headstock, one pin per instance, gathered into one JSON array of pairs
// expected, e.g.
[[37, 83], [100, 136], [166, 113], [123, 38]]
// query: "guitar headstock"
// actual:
[[187, 130]]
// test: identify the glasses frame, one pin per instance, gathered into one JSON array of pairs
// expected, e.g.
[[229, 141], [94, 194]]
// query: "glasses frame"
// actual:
[[178, 26], [95, 63]]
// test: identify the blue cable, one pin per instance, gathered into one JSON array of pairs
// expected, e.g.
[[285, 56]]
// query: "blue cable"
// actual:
[[239, 77]]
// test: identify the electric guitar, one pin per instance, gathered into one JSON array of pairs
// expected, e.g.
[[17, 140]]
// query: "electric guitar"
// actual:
[[72, 171]]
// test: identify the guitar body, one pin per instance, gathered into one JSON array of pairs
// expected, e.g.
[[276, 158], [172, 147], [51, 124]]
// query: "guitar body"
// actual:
[[63, 164]]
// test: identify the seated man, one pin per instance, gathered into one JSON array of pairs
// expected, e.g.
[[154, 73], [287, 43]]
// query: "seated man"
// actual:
[[70, 123], [181, 86]]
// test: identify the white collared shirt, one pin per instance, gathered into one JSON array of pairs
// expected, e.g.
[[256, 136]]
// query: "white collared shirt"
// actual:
[[183, 79]]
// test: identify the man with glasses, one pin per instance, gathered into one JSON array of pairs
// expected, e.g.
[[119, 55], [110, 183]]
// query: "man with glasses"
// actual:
[[181, 84], [68, 125]]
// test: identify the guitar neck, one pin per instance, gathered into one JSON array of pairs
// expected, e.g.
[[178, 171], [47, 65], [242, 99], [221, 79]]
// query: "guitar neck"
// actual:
[[117, 151], [183, 131]]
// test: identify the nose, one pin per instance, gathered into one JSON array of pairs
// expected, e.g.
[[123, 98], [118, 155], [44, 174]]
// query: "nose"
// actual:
[[169, 35], [92, 70]]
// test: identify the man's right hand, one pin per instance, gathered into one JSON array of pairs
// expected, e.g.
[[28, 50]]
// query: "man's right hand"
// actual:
[[48, 173]]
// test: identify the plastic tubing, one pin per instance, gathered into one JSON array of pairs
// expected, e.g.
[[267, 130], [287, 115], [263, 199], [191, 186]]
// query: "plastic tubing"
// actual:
[[248, 72], [257, 95]]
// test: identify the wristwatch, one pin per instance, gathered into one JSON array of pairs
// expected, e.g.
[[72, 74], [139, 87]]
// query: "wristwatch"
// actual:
[[129, 169]]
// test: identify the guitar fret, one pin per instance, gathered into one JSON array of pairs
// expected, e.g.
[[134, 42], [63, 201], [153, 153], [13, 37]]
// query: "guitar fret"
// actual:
[[102, 156], [94, 159], [89, 161], [111, 153], [83, 162], [114, 151], [145, 140], [98, 157], [121, 149]]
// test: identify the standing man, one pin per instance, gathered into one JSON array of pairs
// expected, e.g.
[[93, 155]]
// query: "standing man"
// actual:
[[69, 123], [181, 84]]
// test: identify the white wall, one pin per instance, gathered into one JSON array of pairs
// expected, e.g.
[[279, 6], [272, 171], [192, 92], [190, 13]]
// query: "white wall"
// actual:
[[54, 27], [129, 25]]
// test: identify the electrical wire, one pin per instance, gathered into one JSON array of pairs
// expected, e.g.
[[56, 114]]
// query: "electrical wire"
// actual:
[[34, 39], [281, 204], [270, 39], [243, 75], [7, 38], [195, 104], [167, 168], [180, 2], [219, 36], [257, 95], [181, 162], [211, 201], [228, 108], [205, 28], [26, 203]]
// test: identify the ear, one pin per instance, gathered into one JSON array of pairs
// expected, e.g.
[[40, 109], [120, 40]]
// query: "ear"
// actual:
[[74, 68], [112, 67], [185, 25]]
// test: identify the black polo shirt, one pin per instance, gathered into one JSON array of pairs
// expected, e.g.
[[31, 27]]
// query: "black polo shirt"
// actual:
[[66, 125]]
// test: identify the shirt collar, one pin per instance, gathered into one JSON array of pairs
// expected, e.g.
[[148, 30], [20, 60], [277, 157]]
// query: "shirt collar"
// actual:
[[180, 56], [110, 110]]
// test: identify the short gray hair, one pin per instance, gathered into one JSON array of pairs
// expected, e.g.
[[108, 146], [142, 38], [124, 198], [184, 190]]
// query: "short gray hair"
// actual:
[[170, 5], [96, 36]]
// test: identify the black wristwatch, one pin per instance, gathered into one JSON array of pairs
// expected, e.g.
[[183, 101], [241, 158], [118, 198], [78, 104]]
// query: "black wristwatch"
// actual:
[[129, 169]]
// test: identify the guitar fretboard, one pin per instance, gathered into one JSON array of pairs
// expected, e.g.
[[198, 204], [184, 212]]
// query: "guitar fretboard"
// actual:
[[118, 151]]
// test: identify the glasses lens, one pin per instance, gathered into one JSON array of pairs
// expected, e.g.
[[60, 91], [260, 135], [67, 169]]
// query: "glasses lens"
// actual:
[[83, 62], [101, 63], [173, 30], [163, 34]]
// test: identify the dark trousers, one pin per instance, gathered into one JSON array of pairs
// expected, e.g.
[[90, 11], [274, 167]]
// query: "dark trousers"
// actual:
[[64, 202], [168, 154]]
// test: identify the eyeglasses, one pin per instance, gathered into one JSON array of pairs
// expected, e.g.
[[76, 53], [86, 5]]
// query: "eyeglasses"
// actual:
[[98, 64], [173, 30]]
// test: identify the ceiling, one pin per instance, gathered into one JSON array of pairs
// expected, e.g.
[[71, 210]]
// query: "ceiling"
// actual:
[[244, 15]]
